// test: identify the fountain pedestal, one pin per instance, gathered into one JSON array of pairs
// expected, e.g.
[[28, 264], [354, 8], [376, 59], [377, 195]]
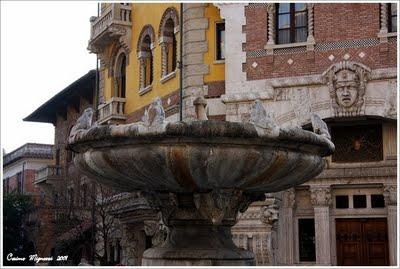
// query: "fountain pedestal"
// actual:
[[200, 230]]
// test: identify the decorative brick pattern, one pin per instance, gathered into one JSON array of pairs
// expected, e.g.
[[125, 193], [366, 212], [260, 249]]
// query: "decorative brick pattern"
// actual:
[[354, 32]]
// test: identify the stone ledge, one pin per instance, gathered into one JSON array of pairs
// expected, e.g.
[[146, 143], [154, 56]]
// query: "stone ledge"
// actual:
[[145, 90], [358, 172]]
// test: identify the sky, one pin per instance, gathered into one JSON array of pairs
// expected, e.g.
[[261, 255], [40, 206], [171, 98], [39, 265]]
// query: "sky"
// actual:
[[43, 50]]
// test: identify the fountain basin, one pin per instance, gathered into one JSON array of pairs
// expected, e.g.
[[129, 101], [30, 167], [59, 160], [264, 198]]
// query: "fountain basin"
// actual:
[[200, 156], [199, 174]]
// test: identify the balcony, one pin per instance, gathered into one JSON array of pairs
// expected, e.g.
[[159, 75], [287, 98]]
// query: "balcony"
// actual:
[[113, 23], [48, 174], [112, 112]]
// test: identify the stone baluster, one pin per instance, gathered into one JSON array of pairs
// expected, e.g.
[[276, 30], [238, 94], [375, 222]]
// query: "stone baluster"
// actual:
[[271, 23], [321, 200], [285, 229], [390, 195]]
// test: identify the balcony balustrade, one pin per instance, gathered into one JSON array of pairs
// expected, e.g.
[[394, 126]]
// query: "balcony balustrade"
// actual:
[[112, 111], [113, 23], [48, 174]]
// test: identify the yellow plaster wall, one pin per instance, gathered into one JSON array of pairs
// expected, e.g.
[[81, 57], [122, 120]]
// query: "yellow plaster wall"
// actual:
[[143, 14], [217, 70]]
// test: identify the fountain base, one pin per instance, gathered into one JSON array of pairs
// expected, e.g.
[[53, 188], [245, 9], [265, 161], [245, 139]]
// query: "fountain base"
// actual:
[[193, 244], [199, 231]]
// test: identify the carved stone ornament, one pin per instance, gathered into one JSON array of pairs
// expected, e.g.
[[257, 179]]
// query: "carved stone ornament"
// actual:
[[390, 194], [269, 214], [288, 198], [321, 196], [264, 122], [84, 122], [319, 126], [347, 82], [157, 230], [155, 114]]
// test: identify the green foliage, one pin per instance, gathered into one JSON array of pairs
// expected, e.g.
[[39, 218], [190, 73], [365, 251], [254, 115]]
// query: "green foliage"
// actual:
[[15, 208]]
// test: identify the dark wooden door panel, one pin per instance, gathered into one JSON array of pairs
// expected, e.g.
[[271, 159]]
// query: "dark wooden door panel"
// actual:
[[362, 242]]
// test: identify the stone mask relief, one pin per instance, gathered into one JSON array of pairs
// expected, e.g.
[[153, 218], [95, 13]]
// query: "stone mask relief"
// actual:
[[347, 82]]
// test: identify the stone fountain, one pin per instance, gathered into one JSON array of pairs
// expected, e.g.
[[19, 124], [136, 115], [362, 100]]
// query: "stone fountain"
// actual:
[[200, 174]]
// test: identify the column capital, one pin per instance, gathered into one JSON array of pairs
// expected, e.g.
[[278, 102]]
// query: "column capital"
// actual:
[[390, 194], [320, 196], [288, 198]]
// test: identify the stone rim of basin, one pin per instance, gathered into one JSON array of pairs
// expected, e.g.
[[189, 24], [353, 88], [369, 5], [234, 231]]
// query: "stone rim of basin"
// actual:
[[289, 137], [262, 129]]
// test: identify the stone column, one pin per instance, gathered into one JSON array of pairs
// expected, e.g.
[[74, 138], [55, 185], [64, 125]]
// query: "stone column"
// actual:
[[390, 194], [142, 72], [310, 10], [269, 216], [164, 55], [129, 244], [384, 19], [321, 200], [271, 23], [285, 232]]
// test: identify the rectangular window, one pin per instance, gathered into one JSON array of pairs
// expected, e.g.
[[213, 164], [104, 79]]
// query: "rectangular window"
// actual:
[[291, 23], [359, 201], [69, 156], [306, 240], [342, 201], [362, 143], [7, 185], [84, 195], [392, 19], [57, 157], [377, 201], [119, 252], [220, 30], [71, 197], [19, 183]]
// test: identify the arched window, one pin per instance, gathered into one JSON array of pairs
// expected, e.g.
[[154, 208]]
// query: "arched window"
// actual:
[[145, 55], [148, 63], [120, 76], [167, 39]]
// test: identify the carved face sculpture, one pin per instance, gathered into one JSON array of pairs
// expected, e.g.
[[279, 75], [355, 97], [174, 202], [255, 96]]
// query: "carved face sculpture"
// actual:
[[346, 88]]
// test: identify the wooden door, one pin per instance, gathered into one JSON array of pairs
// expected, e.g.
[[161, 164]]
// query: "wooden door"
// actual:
[[362, 242]]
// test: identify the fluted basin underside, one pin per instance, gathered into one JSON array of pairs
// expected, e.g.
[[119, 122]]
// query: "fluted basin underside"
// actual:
[[200, 156], [200, 175]]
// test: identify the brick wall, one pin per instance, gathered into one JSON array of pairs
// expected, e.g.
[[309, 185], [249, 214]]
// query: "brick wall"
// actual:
[[333, 24]]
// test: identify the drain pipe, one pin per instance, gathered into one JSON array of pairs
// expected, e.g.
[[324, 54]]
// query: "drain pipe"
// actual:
[[96, 92], [181, 65]]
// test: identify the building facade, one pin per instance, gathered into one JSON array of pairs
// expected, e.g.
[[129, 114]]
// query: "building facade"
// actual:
[[68, 191], [19, 174], [337, 61], [334, 60]]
